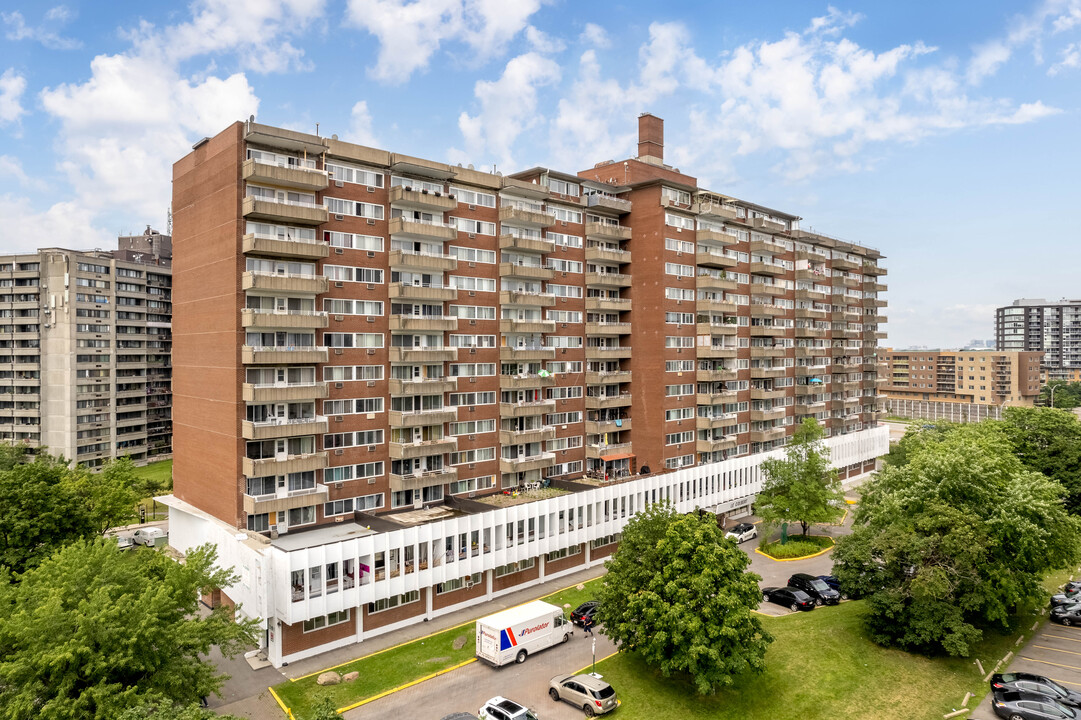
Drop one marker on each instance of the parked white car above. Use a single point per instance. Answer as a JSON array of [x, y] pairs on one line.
[[148, 536], [741, 532]]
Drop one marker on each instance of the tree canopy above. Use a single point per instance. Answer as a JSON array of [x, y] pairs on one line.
[[802, 487], [94, 631], [48, 504], [1067, 394], [678, 594], [954, 540], [1049, 442]]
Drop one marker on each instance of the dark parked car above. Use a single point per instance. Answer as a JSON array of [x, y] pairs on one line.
[[1027, 682], [1016, 705], [834, 584], [1072, 586], [1066, 596], [792, 598], [585, 610], [822, 593], [1068, 614]]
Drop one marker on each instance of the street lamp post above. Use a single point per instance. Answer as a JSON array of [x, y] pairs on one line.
[[1053, 388]]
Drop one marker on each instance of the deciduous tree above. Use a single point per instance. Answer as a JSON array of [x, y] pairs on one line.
[[94, 631], [802, 487], [679, 594], [1048, 441]]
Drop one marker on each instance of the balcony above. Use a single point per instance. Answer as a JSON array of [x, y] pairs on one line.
[[769, 331], [603, 352], [532, 352], [258, 209], [421, 262], [424, 386], [607, 402], [712, 422], [297, 178], [715, 375], [875, 287], [599, 427], [716, 306], [604, 304], [415, 291], [309, 320], [763, 268], [521, 437], [422, 323], [512, 325], [603, 254], [270, 393], [408, 451], [401, 196], [282, 428], [284, 282], [607, 378], [608, 202], [716, 351], [777, 351], [770, 372], [607, 280], [423, 354], [706, 258], [433, 230], [606, 231], [845, 281], [527, 462], [810, 332], [810, 408], [598, 451], [872, 269], [608, 328], [253, 244], [843, 264], [526, 409], [812, 352], [508, 241], [716, 397], [529, 218], [768, 394], [768, 225], [282, 355], [716, 237], [529, 299], [716, 328], [421, 418], [811, 313], [714, 444], [283, 465], [421, 478], [768, 415], [529, 272], [767, 435], [292, 499], [714, 283], [758, 288]]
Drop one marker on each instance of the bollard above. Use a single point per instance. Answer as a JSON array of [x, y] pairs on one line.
[[1020, 640], [968, 696], [979, 665], [955, 713]]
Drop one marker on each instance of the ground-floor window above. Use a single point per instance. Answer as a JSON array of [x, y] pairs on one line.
[[334, 618], [605, 540], [515, 567], [458, 583], [559, 554], [393, 602]]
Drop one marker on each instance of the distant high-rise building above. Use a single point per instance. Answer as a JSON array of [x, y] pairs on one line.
[[982, 377], [1052, 329], [85, 345]]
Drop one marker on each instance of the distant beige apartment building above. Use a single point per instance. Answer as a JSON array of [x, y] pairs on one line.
[[981, 377]]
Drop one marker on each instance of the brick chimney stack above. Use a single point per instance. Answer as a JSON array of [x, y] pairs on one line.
[[650, 136]]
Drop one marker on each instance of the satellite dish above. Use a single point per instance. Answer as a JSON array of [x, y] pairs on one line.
[[470, 166], [251, 118], [333, 137]]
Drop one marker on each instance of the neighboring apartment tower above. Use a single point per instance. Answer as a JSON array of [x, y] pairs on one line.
[[1052, 329], [85, 344], [980, 377], [370, 344]]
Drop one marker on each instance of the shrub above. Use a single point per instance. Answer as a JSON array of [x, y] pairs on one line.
[[797, 546]]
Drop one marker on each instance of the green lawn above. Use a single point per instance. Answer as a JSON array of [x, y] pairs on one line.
[[160, 472], [396, 666]]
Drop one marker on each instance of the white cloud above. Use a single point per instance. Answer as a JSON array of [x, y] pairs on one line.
[[987, 59], [66, 223], [49, 37], [508, 107], [360, 126], [1025, 30], [833, 22], [594, 36], [12, 87], [410, 32], [1070, 59], [542, 42], [11, 168]]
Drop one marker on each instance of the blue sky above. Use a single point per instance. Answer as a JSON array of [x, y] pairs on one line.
[[943, 134]]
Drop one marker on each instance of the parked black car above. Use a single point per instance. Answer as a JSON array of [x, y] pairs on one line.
[[834, 584], [586, 609], [1066, 596], [822, 593], [1027, 682], [1016, 705], [1072, 586], [1068, 614], [792, 598]]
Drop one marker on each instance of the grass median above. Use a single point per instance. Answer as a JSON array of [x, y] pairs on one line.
[[396, 666]]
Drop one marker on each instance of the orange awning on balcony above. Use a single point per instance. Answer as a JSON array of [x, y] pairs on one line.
[[619, 456]]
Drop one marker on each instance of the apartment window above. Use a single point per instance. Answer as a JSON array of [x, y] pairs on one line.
[[477, 227], [563, 187], [565, 214], [681, 246], [678, 221], [350, 240], [515, 567], [355, 175], [679, 438], [486, 482], [393, 602], [679, 341], [323, 621], [369, 405], [351, 207], [564, 240], [678, 270], [467, 254], [473, 197]]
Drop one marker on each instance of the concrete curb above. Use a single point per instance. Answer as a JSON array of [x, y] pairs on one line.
[[801, 557], [282, 705], [410, 684]]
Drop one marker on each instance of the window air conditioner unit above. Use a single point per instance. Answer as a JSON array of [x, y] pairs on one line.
[[371, 189], [337, 351], [338, 284], [472, 235], [371, 448], [472, 207], [339, 251], [339, 183], [371, 221], [339, 385], [339, 217], [371, 254], [472, 322], [338, 418], [472, 379], [371, 481], [339, 451]]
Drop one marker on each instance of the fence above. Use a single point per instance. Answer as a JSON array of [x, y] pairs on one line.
[[953, 412]]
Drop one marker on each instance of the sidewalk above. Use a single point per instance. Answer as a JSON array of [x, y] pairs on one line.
[[245, 693]]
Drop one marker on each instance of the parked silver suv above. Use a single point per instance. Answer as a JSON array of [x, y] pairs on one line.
[[590, 693]]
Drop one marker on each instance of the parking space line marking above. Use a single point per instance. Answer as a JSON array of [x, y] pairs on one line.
[[1047, 662], [1063, 637], [601, 660], [1044, 647], [1066, 682]]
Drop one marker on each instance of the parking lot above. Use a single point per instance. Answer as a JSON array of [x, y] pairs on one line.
[[1054, 652]]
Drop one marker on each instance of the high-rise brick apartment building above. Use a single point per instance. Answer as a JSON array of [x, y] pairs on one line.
[[1053, 329], [372, 348], [85, 342]]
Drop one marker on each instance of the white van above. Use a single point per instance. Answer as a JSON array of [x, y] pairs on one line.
[[515, 633], [148, 536]]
